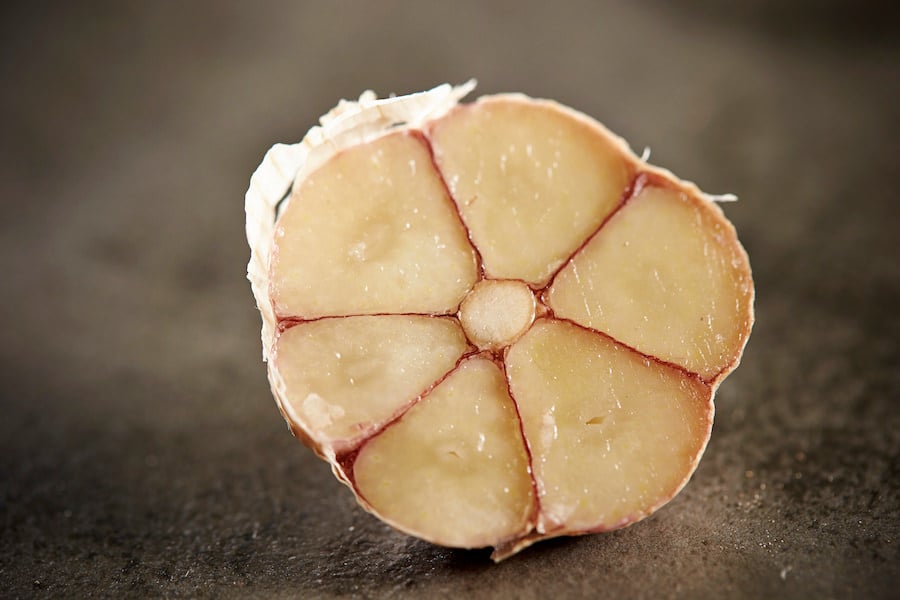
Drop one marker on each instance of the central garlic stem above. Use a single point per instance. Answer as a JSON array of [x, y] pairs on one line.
[[496, 312]]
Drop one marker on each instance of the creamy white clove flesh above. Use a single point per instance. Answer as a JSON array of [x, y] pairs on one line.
[[494, 321]]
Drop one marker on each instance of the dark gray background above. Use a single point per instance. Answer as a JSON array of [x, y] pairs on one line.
[[140, 450]]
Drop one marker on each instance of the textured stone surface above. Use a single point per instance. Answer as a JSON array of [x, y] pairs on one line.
[[140, 450]]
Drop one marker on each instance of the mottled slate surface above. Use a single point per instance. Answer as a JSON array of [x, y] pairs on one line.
[[140, 450]]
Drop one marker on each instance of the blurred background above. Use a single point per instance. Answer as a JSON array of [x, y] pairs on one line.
[[141, 452]]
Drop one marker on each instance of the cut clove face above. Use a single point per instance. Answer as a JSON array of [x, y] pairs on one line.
[[494, 321]]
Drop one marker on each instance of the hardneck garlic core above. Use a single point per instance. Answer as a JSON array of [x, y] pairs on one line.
[[494, 321], [496, 312]]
